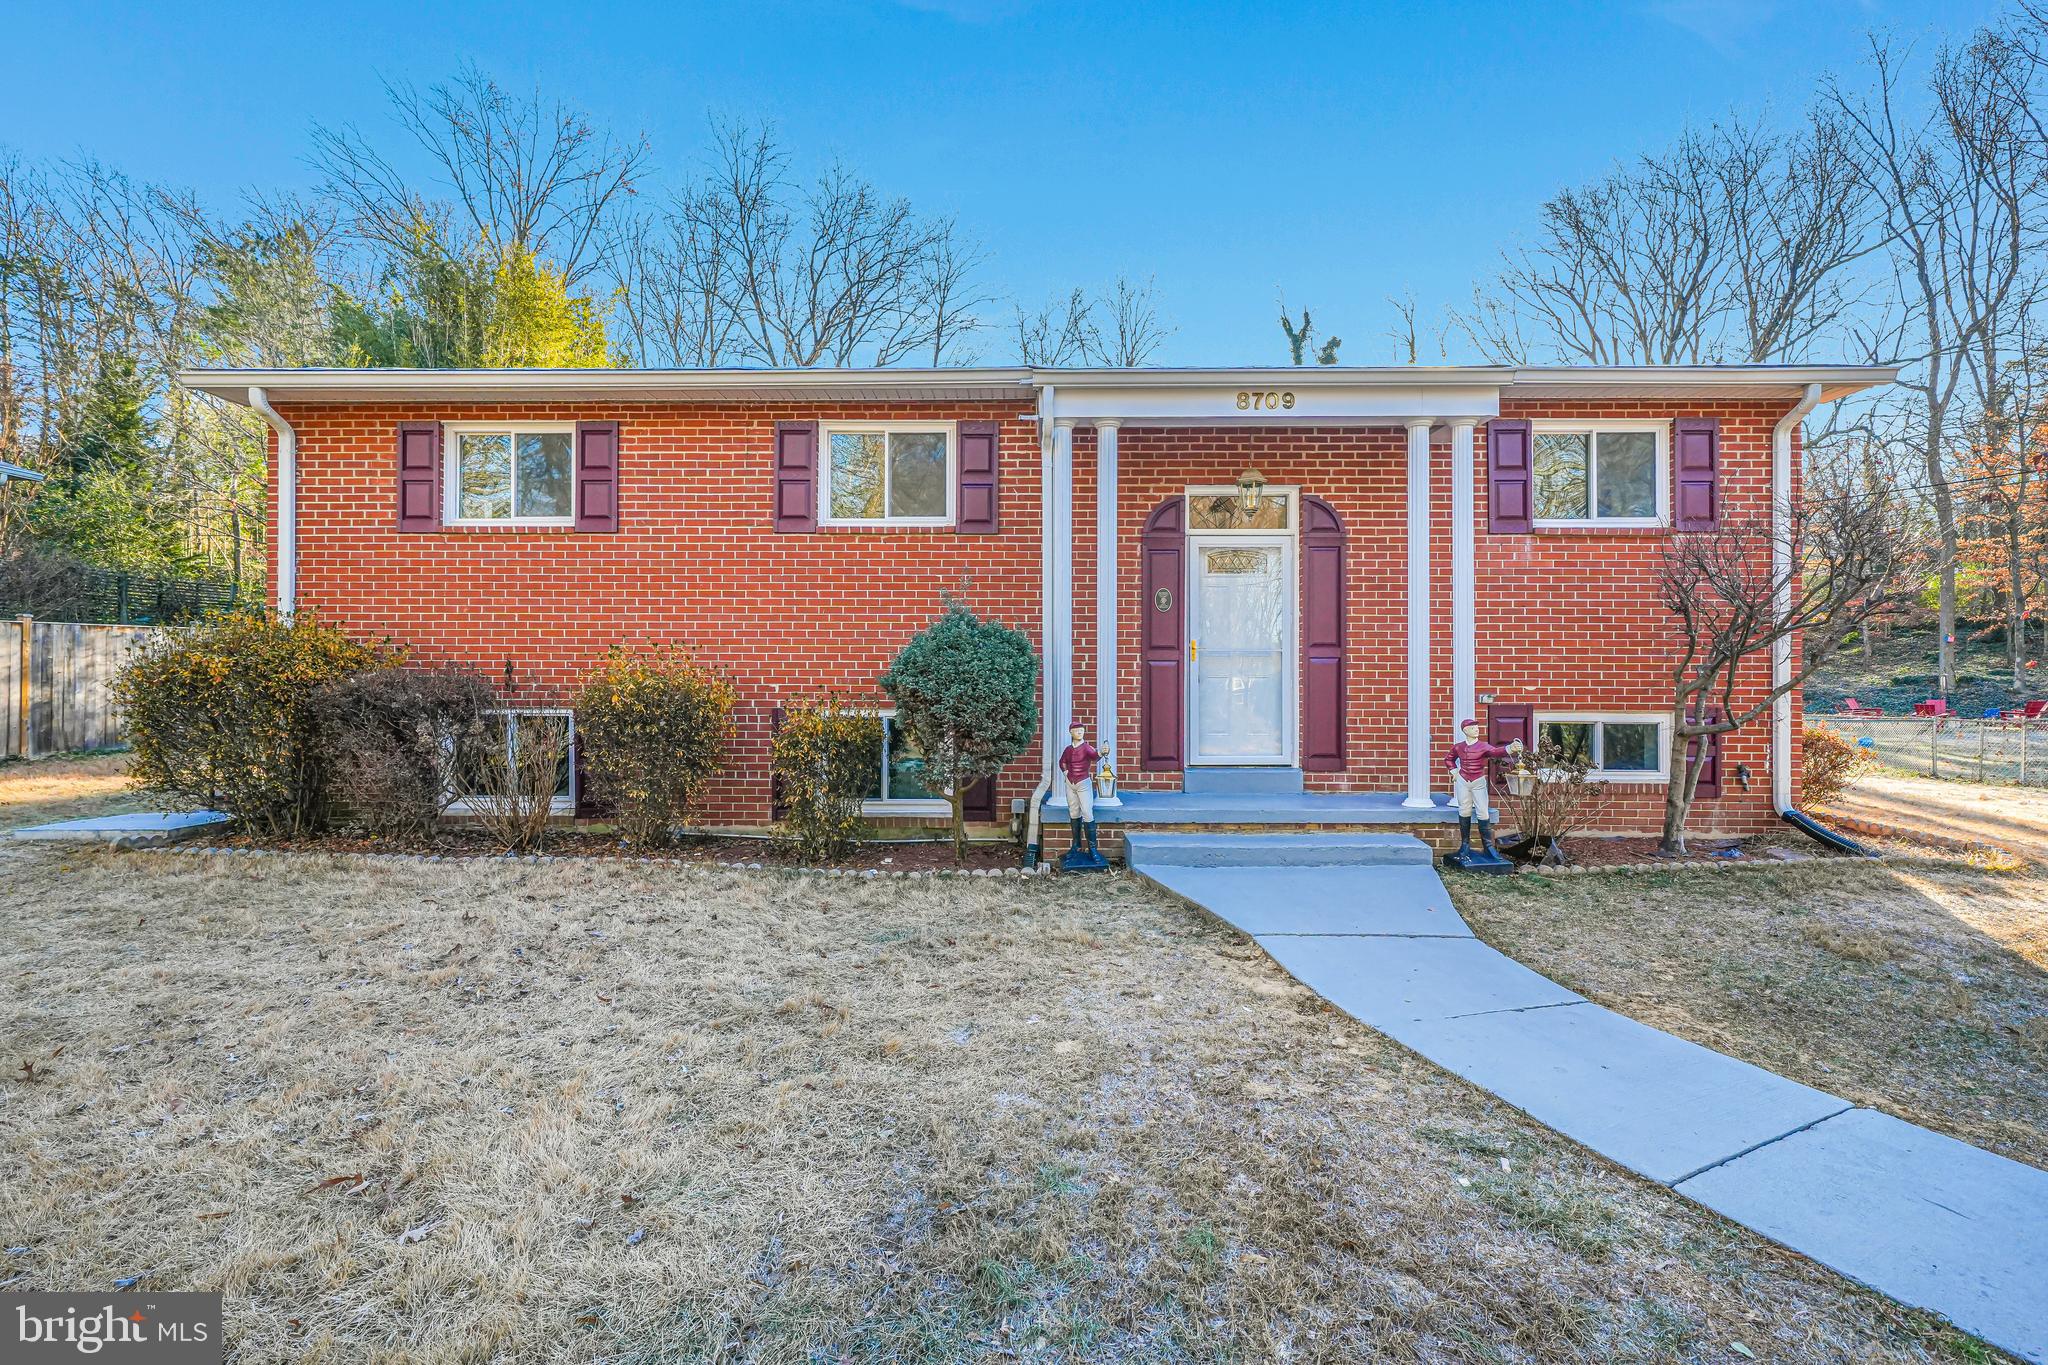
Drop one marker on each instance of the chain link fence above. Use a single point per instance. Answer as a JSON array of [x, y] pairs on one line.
[[1955, 747]]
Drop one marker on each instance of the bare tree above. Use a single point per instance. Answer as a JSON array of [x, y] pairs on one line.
[[1133, 331], [745, 266], [1063, 332], [1834, 561], [519, 173], [1734, 244], [1956, 190]]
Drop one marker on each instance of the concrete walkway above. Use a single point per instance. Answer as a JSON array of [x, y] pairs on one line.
[[1365, 921]]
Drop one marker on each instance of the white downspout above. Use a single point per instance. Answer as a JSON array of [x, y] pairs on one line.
[[287, 503], [1782, 755], [1046, 720]]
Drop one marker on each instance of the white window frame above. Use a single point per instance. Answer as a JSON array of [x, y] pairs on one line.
[[1559, 426], [564, 803], [451, 470], [950, 430], [1662, 772], [1290, 491], [887, 805]]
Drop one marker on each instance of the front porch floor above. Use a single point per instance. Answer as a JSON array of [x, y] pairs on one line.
[[1295, 809]]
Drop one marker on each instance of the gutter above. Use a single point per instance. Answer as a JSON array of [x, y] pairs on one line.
[[1046, 396], [1782, 757], [287, 503]]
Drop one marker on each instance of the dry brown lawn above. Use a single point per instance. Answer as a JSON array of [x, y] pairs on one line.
[[484, 1111], [2013, 818], [1919, 989], [50, 789]]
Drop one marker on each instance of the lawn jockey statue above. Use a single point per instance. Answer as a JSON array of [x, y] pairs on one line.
[[1469, 760], [1077, 768]]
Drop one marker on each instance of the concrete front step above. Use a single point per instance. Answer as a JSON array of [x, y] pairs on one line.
[[1144, 848], [1200, 781]]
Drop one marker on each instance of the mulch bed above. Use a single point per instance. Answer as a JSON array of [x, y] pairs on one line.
[[1597, 850], [925, 855]]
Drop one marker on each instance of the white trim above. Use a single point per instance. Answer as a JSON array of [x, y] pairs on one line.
[[1417, 495], [1594, 430], [1290, 687], [287, 502], [451, 470], [1464, 592], [1106, 591], [1059, 653], [1626, 777], [1782, 756], [715, 385], [950, 430], [561, 805]]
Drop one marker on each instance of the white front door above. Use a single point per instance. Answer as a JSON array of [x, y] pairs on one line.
[[1241, 639]]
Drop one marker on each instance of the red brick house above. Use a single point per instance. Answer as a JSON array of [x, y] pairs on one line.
[[1419, 545]]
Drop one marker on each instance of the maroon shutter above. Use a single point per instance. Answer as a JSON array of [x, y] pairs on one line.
[[419, 476], [796, 476], [1510, 477], [597, 476], [1506, 724], [980, 801], [1709, 786], [778, 807], [1322, 637], [1696, 473], [1162, 699], [974, 502]]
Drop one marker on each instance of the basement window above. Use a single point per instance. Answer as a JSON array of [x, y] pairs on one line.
[[497, 749], [1623, 747], [899, 783]]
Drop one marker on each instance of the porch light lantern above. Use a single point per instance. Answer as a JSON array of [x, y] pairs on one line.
[[1522, 779], [1250, 486]]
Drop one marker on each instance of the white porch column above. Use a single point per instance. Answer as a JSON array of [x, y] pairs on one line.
[[1418, 615], [1464, 594], [1106, 592], [1059, 654]]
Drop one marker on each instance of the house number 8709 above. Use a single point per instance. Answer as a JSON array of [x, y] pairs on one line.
[[1252, 400]]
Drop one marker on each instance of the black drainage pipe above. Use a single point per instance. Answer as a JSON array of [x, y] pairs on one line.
[[1815, 830]]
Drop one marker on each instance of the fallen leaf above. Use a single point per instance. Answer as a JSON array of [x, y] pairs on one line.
[[355, 1178], [629, 1200], [209, 1217], [418, 1234], [639, 1236], [1742, 1350], [587, 1320]]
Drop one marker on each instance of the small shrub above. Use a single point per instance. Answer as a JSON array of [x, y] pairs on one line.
[[826, 760], [1562, 802], [654, 726], [511, 770], [394, 736], [966, 691], [1831, 763], [220, 715]]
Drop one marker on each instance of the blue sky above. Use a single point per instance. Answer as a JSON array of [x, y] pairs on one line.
[[1340, 155]]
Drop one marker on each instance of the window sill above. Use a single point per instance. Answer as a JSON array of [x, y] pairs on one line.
[[501, 527], [885, 527], [1638, 528], [922, 806]]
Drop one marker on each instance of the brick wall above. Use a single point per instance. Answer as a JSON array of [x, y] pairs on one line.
[[695, 561], [1567, 620]]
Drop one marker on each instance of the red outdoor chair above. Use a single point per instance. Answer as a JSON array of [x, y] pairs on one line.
[[2030, 711], [1933, 706]]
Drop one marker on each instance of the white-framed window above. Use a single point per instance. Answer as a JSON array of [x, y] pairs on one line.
[[1626, 746], [505, 728], [1601, 473], [509, 473], [887, 473], [899, 783], [1220, 507]]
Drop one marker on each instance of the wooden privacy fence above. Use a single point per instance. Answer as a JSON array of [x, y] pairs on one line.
[[57, 684]]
